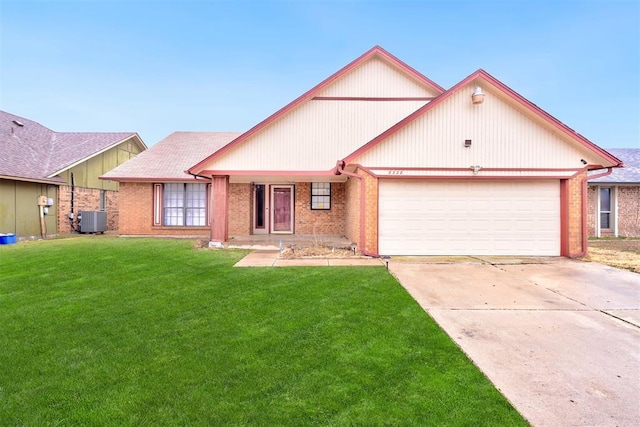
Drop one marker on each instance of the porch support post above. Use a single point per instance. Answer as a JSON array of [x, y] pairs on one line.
[[220, 209], [564, 218]]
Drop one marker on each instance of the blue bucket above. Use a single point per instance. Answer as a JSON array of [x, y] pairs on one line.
[[7, 239]]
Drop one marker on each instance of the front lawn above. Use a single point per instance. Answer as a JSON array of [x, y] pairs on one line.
[[108, 331]]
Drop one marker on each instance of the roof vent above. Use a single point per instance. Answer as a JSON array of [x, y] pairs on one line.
[[18, 123]]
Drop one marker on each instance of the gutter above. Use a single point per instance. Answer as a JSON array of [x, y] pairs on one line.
[[195, 175], [583, 196], [340, 171]]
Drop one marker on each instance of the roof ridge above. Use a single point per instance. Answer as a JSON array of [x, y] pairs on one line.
[[498, 85], [306, 96]]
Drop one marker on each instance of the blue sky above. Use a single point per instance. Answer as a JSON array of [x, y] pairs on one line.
[[155, 67]]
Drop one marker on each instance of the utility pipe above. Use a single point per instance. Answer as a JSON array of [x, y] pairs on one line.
[[73, 191], [43, 225]]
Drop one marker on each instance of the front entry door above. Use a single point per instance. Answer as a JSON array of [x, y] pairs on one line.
[[281, 209]]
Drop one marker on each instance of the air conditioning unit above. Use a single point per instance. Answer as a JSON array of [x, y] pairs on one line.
[[92, 221]]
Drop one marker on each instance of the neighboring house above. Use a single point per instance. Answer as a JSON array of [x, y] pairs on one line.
[[383, 155], [63, 166], [614, 200]]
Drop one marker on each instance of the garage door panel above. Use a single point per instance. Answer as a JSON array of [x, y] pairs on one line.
[[469, 218]]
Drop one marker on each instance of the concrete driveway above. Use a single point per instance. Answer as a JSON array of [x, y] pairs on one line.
[[559, 338]]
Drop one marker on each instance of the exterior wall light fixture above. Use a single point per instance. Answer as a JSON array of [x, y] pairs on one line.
[[467, 143], [478, 96]]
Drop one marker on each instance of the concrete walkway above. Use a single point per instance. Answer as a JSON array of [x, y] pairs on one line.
[[270, 258], [559, 338]]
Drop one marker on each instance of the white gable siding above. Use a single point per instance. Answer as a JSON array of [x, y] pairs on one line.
[[377, 78], [315, 136], [502, 137]]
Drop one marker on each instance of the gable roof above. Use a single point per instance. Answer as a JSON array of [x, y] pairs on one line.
[[630, 174], [376, 51], [30, 151], [509, 93], [167, 159]]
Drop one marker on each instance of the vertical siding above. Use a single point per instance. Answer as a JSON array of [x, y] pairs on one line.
[[95, 168], [87, 173], [19, 212], [7, 206], [377, 78], [502, 136], [316, 135], [110, 161]]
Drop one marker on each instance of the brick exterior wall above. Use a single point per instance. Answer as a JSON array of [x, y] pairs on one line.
[[574, 215], [240, 209], [628, 211], [318, 222], [85, 199], [306, 221], [591, 211], [371, 213], [136, 214], [352, 210], [353, 221]]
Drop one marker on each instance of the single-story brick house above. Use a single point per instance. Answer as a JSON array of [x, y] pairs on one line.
[[614, 200], [64, 167], [383, 155]]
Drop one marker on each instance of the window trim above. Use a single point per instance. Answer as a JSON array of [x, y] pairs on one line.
[[314, 197], [609, 211], [158, 205]]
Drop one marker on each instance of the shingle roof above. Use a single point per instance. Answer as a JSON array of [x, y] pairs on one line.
[[31, 151], [169, 158], [630, 174]]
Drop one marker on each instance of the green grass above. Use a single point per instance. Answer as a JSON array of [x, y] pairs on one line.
[[107, 331]]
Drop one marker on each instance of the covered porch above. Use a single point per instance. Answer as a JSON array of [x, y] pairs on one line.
[[274, 241]]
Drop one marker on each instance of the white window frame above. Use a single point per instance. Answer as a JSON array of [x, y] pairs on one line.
[[613, 210], [159, 208], [320, 196]]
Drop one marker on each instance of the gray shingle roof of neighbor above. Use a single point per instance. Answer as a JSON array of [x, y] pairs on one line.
[[169, 158], [31, 151], [630, 174]]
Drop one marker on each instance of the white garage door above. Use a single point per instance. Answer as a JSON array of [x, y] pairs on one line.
[[462, 217]]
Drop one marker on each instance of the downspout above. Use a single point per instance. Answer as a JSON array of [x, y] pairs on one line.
[[340, 171], [195, 175], [583, 193], [73, 190]]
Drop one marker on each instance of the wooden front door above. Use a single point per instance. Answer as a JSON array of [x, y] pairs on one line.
[[282, 209]]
